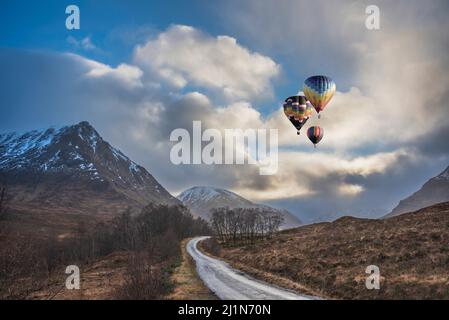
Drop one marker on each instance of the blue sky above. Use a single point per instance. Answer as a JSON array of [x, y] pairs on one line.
[[115, 27], [34, 24], [135, 64]]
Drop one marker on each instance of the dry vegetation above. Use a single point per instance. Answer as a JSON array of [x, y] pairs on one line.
[[244, 225], [99, 280], [188, 286], [329, 259], [127, 257]]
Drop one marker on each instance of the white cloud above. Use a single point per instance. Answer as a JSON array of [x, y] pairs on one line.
[[350, 189], [183, 55], [397, 82], [85, 43], [397, 75], [302, 174], [128, 75]]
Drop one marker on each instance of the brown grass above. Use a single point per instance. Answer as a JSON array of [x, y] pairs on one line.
[[99, 281], [188, 286], [329, 259]]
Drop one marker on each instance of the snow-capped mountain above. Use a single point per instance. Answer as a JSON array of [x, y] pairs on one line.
[[74, 168], [201, 200], [434, 191]]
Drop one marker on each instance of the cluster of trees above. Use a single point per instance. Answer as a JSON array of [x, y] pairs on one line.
[[151, 238], [244, 225], [158, 229]]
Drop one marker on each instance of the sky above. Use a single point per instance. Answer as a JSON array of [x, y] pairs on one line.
[[137, 70]]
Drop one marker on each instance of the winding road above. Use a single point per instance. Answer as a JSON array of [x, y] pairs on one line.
[[228, 283]]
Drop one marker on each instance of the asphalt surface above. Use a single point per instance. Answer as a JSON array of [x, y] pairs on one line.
[[228, 283]]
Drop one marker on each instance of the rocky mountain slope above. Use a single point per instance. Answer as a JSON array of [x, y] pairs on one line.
[[434, 191], [73, 170], [201, 200]]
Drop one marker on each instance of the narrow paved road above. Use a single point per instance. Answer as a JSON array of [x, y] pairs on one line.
[[230, 284]]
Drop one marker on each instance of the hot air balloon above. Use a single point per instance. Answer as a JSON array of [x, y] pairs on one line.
[[297, 111], [309, 109], [319, 90], [315, 134]]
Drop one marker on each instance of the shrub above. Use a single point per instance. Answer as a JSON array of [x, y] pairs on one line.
[[143, 280]]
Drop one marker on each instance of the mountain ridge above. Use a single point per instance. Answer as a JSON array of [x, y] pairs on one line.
[[202, 199], [72, 168], [434, 191]]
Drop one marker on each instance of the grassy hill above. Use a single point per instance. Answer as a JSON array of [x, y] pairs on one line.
[[329, 259]]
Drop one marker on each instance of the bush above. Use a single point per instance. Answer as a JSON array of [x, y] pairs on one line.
[[143, 280], [24, 267], [153, 237]]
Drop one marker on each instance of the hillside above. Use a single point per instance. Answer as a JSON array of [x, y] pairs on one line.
[[69, 167], [434, 191], [59, 177], [201, 200], [411, 250]]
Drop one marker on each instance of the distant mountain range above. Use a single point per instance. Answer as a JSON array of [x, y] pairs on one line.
[[434, 191], [201, 200], [73, 170]]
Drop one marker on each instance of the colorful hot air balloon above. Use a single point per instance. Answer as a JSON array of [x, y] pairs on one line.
[[309, 109], [319, 90], [315, 134], [297, 111]]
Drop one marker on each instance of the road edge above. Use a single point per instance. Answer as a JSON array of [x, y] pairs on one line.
[[268, 277], [188, 284]]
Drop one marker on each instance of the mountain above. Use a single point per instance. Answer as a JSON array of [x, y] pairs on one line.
[[434, 191], [201, 200], [74, 170]]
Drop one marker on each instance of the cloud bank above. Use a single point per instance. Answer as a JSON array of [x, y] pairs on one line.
[[383, 128], [183, 55]]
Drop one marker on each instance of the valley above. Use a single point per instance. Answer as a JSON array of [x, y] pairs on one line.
[[69, 197]]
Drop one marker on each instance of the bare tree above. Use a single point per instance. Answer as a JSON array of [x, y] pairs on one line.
[[152, 239], [218, 223], [3, 201], [244, 224]]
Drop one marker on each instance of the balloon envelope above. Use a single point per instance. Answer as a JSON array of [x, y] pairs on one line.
[[298, 124], [319, 90], [309, 109], [297, 111], [315, 134]]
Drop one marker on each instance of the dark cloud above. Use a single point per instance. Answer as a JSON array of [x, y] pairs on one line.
[[435, 143], [382, 192]]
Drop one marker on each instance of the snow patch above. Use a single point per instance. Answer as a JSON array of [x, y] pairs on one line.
[[205, 194]]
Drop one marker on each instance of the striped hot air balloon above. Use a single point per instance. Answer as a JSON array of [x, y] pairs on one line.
[[315, 134], [319, 90], [297, 111]]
